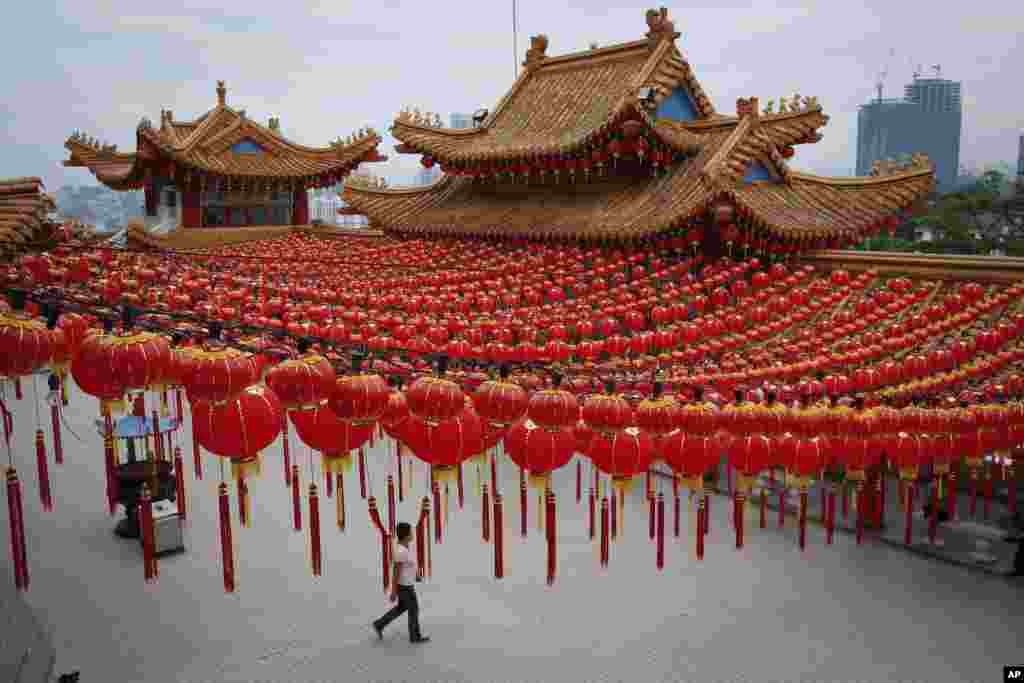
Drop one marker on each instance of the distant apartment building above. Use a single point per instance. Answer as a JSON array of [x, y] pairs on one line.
[[928, 119]]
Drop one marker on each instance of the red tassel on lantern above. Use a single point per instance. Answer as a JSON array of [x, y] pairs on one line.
[[701, 527], [243, 504], [226, 547], [17, 388], [591, 513], [676, 505], [179, 406], [314, 530], [149, 560], [437, 511], [738, 518], [340, 500], [523, 503], [391, 505], [579, 481], [296, 501], [604, 532], [707, 512], [846, 503], [362, 474], [111, 469], [763, 520], [401, 479], [329, 483], [951, 494], [158, 443], [651, 514], [16, 517], [909, 521], [861, 503], [385, 541], [615, 516], [179, 485], [552, 537], [499, 538], [45, 495], [287, 454], [829, 516], [661, 532], [803, 516], [58, 445], [421, 541], [460, 486], [197, 458], [485, 512], [494, 474], [933, 518]]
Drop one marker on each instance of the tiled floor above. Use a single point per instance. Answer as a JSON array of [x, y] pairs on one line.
[[766, 613]]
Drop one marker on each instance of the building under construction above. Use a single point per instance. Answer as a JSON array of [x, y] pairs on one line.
[[927, 119]]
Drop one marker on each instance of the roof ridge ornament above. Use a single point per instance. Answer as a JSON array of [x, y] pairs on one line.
[[888, 167], [537, 52], [659, 26]]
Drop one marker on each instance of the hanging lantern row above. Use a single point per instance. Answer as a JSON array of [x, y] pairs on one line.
[[237, 416]]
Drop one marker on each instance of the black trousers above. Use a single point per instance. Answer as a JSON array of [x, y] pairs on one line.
[[407, 602]]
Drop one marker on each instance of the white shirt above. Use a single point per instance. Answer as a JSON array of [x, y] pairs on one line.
[[406, 561]]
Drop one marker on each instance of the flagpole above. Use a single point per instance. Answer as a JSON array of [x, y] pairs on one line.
[[515, 42]]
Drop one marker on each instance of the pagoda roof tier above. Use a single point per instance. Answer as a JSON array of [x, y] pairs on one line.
[[790, 204], [559, 104], [224, 142]]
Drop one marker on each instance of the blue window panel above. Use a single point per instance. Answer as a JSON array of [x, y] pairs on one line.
[[246, 146], [756, 171], [679, 105]]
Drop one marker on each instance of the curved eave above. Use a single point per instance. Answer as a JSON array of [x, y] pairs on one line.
[[812, 206]]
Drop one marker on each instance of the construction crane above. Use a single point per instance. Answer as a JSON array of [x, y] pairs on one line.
[[884, 73]]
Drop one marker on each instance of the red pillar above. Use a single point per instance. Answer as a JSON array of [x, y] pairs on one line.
[[190, 210], [300, 208]]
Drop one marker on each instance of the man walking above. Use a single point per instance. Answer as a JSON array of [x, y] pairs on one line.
[[403, 588]]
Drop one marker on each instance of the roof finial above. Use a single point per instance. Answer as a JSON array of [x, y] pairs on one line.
[[222, 93], [537, 52], [659, 26]]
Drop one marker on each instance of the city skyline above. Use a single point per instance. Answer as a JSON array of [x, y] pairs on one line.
[[74, 55]]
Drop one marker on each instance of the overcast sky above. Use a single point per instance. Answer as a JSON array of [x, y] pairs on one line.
[[329, 67]]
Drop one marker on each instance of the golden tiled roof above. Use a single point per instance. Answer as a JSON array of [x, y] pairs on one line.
[[206, 144], [629, 208], [559, 103], [23, 211], [795, 205]]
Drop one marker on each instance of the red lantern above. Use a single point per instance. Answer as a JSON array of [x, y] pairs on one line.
[[447, 443], [553, 409], [539, 451], [302, 383], [607, 412], [501, 403], [360, 399], [435, 399], [217, 374]]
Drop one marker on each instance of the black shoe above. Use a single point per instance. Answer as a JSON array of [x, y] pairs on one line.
[[421, 639], [378, 630]]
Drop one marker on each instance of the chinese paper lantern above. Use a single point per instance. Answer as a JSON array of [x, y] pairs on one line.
[[435, 399], [360, 399], [302, 383], [607, 412], [217, 374]]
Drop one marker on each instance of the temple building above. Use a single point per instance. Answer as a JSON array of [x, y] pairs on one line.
[[222, 169], [622, 143]]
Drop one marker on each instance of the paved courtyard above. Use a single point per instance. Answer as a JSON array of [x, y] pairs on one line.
[[766, 613]]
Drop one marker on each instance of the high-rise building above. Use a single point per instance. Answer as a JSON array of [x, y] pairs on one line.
[[927, 119], [1020, 160], [460, 120]]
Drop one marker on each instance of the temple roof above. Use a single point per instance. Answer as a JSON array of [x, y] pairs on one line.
[[559, 103], [223, 141], [791, 204], [23, 211]]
